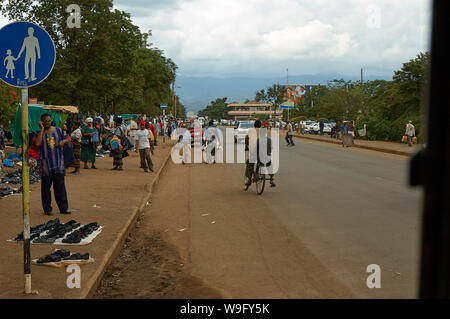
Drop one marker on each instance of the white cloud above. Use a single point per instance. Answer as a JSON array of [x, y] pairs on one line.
[[264, 37]]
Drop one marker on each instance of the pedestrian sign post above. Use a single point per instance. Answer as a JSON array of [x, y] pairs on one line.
[[28, 54]]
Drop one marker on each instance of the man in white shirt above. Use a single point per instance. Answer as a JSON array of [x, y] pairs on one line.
[[142, 139], [132, 128], [186, 145], [410, 132]]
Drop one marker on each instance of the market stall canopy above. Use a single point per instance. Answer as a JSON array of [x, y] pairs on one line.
[[34, 116], [129, 116], [61, 108]]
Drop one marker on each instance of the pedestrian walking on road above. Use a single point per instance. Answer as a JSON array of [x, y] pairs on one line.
[[321, 126], [143, 138], [186, 140], [118, 153], [289, 135], [410, 133], [87, 146], [50, 140], [151, 127], [347, 138], [76, 141]]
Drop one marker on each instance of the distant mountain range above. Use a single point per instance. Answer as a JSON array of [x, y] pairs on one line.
[[197, 92]]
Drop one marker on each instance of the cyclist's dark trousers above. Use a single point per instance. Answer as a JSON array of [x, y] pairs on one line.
[[289, 139], [250, 168]]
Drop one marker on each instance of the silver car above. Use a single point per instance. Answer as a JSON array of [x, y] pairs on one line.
[[242, 131]]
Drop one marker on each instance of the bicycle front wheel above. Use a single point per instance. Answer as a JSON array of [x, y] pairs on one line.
[[260, 183]]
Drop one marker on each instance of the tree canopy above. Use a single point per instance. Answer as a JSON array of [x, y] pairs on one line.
[[107, 65]]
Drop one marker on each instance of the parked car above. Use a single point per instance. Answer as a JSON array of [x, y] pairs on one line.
[[242, 131], [308, 126], [327, 128]]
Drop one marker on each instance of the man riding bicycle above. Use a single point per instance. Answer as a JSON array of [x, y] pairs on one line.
[[253, 148]]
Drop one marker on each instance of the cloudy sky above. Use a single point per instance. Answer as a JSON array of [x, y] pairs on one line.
[[261, 38]]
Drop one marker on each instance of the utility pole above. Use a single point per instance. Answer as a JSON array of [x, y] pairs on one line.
[[287, 83]]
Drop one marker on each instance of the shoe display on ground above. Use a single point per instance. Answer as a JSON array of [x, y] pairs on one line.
[[53, 230]]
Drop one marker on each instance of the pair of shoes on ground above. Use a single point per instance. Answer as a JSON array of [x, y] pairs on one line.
[[62, 254], [54, 257]]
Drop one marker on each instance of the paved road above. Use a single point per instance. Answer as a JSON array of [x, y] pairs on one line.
[[334, 212], [350, 208]]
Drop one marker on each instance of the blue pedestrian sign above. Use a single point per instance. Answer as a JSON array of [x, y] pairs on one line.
[[163, 106], [27, 54]]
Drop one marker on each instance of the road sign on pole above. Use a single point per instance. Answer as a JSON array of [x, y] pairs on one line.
[[163, 106], [30, 54], [30, 57]]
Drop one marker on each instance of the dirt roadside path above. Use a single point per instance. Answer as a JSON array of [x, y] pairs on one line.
[[115, 194], [204, 237]]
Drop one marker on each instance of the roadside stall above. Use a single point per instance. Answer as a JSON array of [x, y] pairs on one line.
[[58, 113]]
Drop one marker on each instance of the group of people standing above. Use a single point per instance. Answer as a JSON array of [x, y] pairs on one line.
[[52, 145]]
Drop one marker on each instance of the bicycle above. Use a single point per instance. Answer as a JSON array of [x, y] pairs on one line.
[[257, 178]]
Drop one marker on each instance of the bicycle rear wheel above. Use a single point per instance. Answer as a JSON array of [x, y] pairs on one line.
[[260, 182]]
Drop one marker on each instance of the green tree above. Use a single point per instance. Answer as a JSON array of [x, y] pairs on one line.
[[107, 65], [216, 110]]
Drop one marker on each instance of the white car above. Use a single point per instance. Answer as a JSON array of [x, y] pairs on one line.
[[307, 126], [242, 131], [327, 128]]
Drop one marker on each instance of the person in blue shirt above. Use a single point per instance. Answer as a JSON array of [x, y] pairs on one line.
[[50, 141], [321, 126]]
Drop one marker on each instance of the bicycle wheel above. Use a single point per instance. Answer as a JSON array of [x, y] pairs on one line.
[[260, 182]]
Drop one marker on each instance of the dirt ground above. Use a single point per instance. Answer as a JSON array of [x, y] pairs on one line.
[[153, 263], [102, 195]]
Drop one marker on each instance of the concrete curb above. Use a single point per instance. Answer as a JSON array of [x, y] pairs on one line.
[[372, 148], [91, 286]]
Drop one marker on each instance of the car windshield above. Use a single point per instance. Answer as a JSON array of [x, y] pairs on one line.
[[246, 125]]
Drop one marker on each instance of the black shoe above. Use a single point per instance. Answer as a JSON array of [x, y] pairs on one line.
[[44, 240], [151, 169], [49, 259], [48, 213], [62, 253], [66, 212]]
